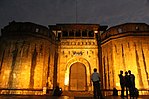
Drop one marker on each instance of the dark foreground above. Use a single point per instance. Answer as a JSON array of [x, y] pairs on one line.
[[62, 97]]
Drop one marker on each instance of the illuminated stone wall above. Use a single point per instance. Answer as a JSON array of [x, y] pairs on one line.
[[76, 50], [77, 44], [26, 57], [125, 47], [31, 59]]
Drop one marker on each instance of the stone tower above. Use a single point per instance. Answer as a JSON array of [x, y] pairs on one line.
[[27, 54], [125, 47]]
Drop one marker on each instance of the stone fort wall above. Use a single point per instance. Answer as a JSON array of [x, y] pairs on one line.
[[27, 56], [125, 47], [33, 57]]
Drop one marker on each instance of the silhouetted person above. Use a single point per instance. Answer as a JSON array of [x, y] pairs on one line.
[[136, 93], [131, 83], [127, 85], [115, 92], [95, 77], [122, 83], [57, 91]]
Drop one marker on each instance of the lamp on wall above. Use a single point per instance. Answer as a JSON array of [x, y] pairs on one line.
[[95, 31]]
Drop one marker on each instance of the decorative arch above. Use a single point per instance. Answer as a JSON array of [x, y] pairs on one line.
[[72, 61]]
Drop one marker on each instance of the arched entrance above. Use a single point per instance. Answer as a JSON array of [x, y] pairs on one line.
[[78, 77]]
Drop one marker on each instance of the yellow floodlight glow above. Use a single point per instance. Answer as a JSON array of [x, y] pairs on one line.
[[117, 84], [66, 79], [95, 31]]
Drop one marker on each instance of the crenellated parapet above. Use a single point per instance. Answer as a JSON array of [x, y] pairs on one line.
[[78, 31], [125, 30], [25, 28]]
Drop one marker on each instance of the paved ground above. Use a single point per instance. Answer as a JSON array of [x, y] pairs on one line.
[[62, 97]]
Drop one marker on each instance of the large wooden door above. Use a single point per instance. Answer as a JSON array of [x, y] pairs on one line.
[[77, 77]]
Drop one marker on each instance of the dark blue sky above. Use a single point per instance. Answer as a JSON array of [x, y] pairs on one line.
[[45, 12]]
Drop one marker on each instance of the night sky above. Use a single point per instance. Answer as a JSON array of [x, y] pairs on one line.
[[46, 12]]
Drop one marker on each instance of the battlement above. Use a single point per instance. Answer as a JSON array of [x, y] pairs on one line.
[[126, 29], [76, 30], [24, 28]]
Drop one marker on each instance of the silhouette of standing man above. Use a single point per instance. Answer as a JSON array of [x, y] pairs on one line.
[[95, 77], [122, 83], [127, 85], [132, 83]]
